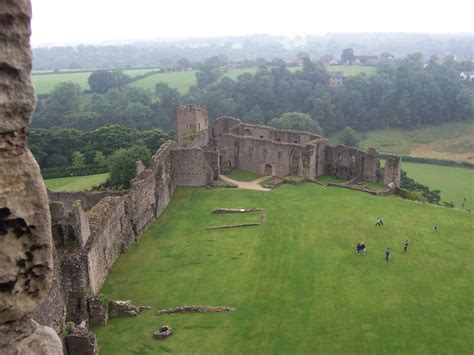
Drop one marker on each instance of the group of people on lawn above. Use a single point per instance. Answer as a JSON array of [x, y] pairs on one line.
[[361, 246]]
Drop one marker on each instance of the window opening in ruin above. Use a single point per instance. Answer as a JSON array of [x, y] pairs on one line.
[[296, 141], [261, 137], [199, 126], [339, 157], [278, 139]]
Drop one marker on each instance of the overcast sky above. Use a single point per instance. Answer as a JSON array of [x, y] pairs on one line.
[[94, 21]]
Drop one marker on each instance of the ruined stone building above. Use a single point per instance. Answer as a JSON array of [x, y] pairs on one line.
[[269, 151]]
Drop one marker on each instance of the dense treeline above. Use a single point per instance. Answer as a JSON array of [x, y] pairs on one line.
[[167, 54], [403, 93], [70, 147]]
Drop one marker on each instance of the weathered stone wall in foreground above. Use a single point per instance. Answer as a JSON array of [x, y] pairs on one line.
[[26, 263]]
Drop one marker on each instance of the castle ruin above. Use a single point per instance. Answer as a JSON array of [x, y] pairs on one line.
[[273, 152], [54, 257]]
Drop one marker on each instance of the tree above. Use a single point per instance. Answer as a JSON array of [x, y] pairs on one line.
[[100, 160], [78, 160], [349, 137], [122, 164], [182, 63], [296, 121], [347, 56], [65, 97], [100, 81]]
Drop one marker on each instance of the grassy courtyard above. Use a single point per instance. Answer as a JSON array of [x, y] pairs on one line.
[[243, 175], [295, 281]]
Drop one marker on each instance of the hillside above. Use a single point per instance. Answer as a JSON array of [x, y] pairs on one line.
[[450, 141], [295, 281]]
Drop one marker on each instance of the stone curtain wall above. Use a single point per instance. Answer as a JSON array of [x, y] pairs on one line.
[[92, 232], [26, 263]]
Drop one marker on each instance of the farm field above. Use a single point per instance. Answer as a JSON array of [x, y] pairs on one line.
[[455, 183], [75, 183], [295, 281], [44, 83], [181, 81], [450, 141], [350, 70]]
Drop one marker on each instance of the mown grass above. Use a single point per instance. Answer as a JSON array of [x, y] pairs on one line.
[[243, 175], [296, 282], [75, 183], [451, 141], [45, 83]]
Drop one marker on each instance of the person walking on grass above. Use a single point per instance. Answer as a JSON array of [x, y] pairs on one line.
[[387, 254], [405, 246], [379, 221]]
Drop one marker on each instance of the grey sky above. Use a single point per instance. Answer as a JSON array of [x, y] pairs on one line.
[[93, 21]]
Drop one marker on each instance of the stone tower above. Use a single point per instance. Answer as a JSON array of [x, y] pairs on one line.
[[190, 119]]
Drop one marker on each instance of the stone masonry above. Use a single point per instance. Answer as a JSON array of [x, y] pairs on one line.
[[26, 249]]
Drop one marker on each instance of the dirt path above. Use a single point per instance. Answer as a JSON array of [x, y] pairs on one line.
[[250, 185]]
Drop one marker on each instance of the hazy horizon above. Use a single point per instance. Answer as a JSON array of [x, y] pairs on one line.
[[115, 21]]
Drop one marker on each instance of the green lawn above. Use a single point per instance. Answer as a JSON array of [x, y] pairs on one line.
[[75, 183], [44, 83], [243, 175], [296, 283], [455, 183], [451, 141]]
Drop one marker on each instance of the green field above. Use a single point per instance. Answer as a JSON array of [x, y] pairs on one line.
[[75, 183], [181, 80], [350, 70], [451, 141], [296, 282], [455, 183], [44, 83]]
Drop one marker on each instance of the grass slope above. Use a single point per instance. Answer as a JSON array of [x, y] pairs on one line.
[[75, 183], [296, 282], [451, 141], [455, 183]]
